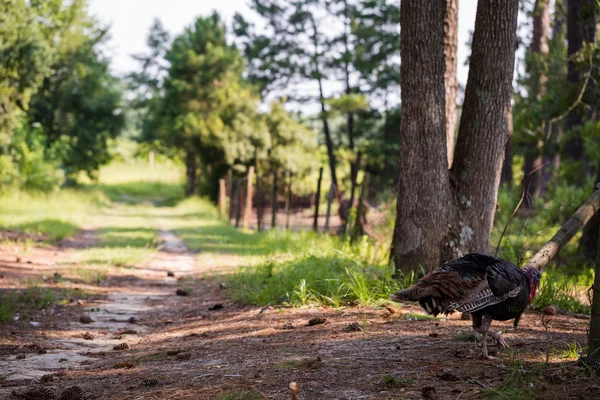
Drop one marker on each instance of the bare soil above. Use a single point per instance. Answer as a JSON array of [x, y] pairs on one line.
[[200, 345]]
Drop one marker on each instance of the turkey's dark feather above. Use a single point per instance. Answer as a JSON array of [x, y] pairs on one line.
[[469, 284]]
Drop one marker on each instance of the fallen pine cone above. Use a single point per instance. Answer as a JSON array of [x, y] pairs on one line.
[[184, 356], [88, 336], [170, 273], [181, 292], [41, 393], [316, 321], [85, 319], [122, 346], [73, 393], [150, 382], [352, 327], [127, 364], [47, 378]]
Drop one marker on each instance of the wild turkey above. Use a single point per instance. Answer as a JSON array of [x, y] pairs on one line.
[[489, 288]]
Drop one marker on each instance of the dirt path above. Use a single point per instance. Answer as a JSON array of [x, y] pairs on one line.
[[201, 345]]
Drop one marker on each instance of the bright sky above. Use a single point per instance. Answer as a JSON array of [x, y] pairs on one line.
[[130, 21]]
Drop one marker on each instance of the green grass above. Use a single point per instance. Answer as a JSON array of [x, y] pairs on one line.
[[28, 301], [561, 291], [319, 270], [53, 216], [241, 394]]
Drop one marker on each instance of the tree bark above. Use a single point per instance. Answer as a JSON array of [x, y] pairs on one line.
[[317, 201], [581, 26], [451, 83], [259, 191], [484, 120], [506, 176], [238, 203], [422, 221], [274, 201], [191, 173], [533, 166], [594, 339], [330, 197], [355, 167]]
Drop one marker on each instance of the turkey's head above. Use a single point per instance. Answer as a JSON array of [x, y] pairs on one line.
[[533, 276]]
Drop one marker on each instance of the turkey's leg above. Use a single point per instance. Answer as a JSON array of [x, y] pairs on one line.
[[498, 339], [482, 325]]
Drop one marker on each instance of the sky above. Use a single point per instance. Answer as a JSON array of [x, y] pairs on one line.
[[130, 21]]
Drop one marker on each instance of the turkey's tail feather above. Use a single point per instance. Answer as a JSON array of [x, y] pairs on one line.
[[431, 304]]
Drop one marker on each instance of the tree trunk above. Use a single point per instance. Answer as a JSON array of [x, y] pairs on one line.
[[359, 224], [506, 176], [326, 131], [317, 201], [454, 210], [579, 29], [451, 84], [191, 173], [594, 339], [422, 221], [274, 201], [249, 194], [484, 120], [533, 166]]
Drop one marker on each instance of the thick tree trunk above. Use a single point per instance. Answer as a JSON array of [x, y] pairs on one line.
[[594, 339], [484, 120], [422, 220], [450, 46], [355, 167], [506, 176], [454, 210], [191, 173], [581, 26], [533, 169]]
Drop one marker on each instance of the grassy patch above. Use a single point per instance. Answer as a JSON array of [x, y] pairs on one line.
[[28, 301], [419, 317], [54, 216], [561, 290], [326, 271]]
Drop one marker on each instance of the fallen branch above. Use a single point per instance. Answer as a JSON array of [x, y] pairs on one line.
[[566, 232]]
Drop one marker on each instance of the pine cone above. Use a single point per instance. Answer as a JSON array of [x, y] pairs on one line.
[[122, 346], [74, 393], [150, 382], [41, 393], [352, 327]]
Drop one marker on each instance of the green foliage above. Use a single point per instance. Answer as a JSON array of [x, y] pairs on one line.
[[25, 55], [562, 291], [325, 271], [28, 301]]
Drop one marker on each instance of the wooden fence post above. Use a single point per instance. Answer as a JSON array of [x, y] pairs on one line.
[[238, 202], [222, 198], [274, 201], [329, 201], [230, 195], [249, 194], [288, 201], [317, 200]]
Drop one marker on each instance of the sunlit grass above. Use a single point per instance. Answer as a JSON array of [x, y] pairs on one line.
[[53, 215]]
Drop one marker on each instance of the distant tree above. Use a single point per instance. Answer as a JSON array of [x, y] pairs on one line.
[[80, 105], [453, 211], [25, 58]]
